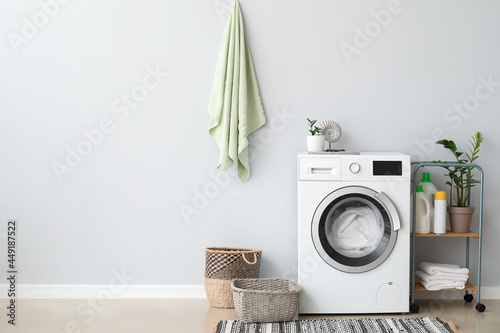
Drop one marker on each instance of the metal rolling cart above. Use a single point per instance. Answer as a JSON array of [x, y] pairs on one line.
[[469, 287]]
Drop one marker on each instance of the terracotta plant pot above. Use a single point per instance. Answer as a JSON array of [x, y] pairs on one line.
[[460, 218], [316, 143]]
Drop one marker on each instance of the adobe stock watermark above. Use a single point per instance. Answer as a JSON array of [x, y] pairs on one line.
[[223, 8], [87, 310], [455, 116], [122, 107], [471, 103], [40, 19], [438, 305], [304, 269], [219, 180], [371, 30]]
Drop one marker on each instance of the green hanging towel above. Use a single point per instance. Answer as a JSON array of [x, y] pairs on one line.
[[235, 105]]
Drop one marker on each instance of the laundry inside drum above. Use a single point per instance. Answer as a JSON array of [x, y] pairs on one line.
[[354, 227]]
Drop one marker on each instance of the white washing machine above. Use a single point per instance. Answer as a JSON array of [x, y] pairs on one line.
[[354, 233]]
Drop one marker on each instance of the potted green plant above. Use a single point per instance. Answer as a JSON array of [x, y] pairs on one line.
[[461, 181], [315, 141]]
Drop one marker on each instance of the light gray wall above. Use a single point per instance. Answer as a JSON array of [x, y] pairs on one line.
[[120, 207]]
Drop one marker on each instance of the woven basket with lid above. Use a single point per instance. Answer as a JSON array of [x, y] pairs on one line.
[[222, 264]]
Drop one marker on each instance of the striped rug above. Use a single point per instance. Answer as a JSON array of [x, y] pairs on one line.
[[365, 325]]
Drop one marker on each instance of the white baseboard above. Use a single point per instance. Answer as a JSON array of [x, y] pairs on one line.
[[105, 291], [173, 291]]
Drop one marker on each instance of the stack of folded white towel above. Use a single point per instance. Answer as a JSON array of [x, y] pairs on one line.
[[442, 276]]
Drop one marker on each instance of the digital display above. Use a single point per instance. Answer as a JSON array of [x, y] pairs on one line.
[[387, 168]]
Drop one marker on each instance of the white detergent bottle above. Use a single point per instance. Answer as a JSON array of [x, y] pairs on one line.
[[422, 212], [429, 190]]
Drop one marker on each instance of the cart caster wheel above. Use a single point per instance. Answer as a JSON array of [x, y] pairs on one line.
[[414, 308], [468, 298], [480, 307]]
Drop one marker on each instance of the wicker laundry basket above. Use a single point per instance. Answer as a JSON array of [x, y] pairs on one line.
[[224, 264], [266, 300]]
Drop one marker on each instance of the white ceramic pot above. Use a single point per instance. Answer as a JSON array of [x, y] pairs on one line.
[[315, 143]]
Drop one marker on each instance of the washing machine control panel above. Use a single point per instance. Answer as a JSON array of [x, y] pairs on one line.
[[363, 167]]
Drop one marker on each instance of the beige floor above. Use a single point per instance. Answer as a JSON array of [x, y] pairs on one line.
[[192, 315]]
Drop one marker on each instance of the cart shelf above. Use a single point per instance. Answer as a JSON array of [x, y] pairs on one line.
[[415, 286], [450, 234], [468, 286]]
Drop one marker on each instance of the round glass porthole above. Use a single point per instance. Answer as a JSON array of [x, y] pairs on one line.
[[352, 229]]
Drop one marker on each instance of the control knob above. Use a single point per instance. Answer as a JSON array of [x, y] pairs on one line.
[[354, 167]]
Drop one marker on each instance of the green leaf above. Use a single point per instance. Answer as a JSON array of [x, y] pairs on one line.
[[457, 180], [448, 144]]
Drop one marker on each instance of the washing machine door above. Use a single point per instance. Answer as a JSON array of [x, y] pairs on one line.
[[354, 228]]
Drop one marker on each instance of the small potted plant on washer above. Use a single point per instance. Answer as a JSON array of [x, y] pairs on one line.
[[315, 141], [461, 181]]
